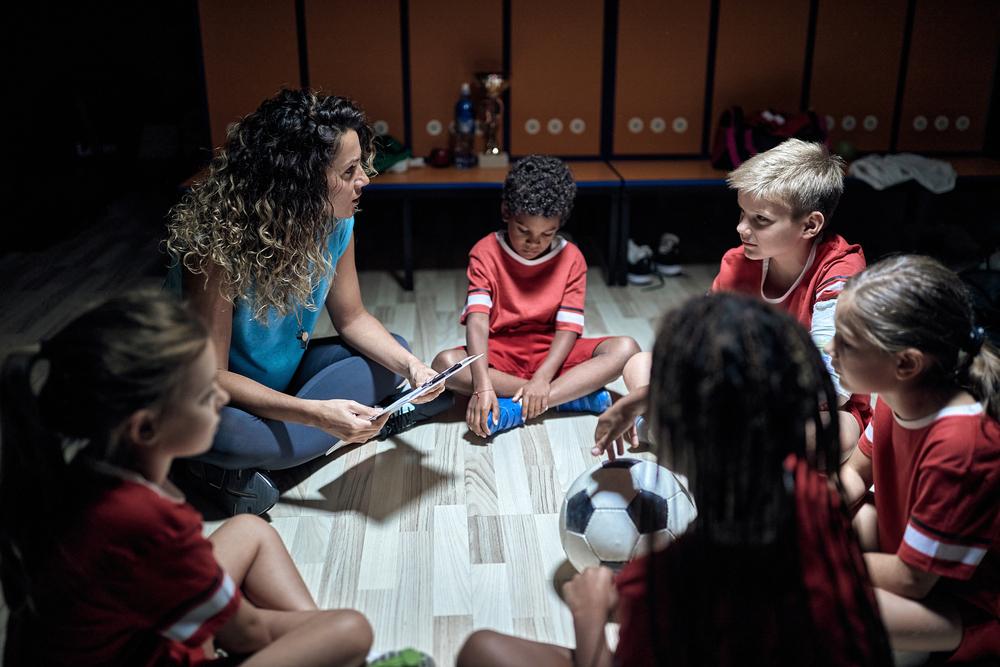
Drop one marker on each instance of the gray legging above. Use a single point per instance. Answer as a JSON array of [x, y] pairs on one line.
[[329, 369]]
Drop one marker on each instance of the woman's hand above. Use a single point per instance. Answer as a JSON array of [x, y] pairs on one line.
[[592, 593], [481, 403], [348, 421], [534, 397], [420, 373]]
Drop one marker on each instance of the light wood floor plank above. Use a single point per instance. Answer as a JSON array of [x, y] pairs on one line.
[[451, 564]]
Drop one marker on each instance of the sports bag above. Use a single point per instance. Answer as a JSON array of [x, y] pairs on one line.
[[740, 136]]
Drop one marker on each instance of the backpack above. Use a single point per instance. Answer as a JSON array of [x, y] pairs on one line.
[[739, 137]]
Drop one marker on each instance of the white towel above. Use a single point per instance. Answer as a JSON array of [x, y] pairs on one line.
[[883, 171]]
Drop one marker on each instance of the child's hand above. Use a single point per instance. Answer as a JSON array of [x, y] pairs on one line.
[[481, 403], [534, 397], [617, 425], [592, 592]]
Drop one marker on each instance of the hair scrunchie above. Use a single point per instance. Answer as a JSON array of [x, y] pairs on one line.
[[976, 337]]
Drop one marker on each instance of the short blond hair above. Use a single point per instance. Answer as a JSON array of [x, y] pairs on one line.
[[802, 175]]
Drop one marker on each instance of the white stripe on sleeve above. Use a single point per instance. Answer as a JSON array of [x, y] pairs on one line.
[[939, 550], [188, 625], [822, 331], [569, 318], [478, 299]]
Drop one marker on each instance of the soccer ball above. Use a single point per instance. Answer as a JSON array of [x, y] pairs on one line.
[[620, 509]]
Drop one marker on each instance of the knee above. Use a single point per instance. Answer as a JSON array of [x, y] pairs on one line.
[[352, 630], [445, 359], [626, 347], [639, 362], [481, 648], [253, 528]]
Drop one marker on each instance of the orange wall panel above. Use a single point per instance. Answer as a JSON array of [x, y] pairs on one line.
[[250, 50], [660, 76], [949, 77], [556, 69], [856, 68], [760, 55], [354, 50], [449, 42]]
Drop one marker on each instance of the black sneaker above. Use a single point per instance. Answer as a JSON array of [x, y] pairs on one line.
[[666, 259], [236, 491], [640, 265], [411, 414]]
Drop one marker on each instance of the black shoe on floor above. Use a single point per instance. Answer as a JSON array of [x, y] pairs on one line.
[[413, 413], [666, 260], [236, 491]]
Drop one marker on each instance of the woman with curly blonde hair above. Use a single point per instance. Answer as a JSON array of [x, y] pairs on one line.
[[258, 246]]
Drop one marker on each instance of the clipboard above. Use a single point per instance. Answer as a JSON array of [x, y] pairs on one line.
[[417, 392]]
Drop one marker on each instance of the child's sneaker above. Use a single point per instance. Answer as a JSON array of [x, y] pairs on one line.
[[596, 402], [640, 265], [666, 259], [407, 657], [510, 416], [410, 414]]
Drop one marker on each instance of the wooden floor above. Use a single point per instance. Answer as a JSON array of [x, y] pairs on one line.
[[431, 534]]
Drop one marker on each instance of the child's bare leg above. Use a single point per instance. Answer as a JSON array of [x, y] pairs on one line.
[[916, 625], [252, 553], [866, 526], [486, 648], [606, 364], [637, 370], [461, 382], [850, 433], [337, 638]]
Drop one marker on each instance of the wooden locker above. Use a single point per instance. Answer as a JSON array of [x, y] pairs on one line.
[[949, 77], [760, 55], [354, 50], [556, 71], [855, 70], [250, 49], [660, 76], [449, 42]]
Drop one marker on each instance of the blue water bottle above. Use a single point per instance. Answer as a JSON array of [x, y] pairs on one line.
[[465, 130]]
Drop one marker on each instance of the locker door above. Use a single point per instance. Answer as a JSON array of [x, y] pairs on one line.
[[250, 50]]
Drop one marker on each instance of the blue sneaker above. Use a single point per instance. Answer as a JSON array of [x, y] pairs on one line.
[[596, 403], [510, 416]]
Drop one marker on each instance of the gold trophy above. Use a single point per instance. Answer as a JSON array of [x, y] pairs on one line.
[[491, 111]]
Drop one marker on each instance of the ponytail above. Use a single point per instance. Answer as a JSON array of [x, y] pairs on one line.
[[983, 378]]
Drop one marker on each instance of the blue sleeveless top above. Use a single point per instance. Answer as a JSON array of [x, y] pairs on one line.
[[269, 352]]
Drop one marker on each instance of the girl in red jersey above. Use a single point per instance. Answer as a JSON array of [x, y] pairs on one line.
[[770, 572], [103, 563], [905, 330]]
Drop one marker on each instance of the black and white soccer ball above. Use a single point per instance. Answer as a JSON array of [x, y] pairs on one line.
[[619, 509]]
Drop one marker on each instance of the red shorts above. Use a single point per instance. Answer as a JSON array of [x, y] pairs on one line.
[[520, 355]]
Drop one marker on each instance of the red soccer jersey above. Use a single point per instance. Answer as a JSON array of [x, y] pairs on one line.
[[830, 264], [812, 298], [525, 296], [937, 485], [138, 585]]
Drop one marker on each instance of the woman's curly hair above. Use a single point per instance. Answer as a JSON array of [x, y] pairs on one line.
[[262, 215], [539, 185]]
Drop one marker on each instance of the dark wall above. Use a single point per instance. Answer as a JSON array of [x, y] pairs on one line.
[[106, 100]]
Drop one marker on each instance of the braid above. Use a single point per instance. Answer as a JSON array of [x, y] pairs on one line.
[[738, 396]]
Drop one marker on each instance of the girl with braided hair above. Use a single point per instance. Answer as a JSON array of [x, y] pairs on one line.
[[260, 245], [906, 331], [770, 571]]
